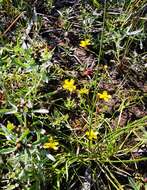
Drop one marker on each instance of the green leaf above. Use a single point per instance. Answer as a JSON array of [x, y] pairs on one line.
[[51, 157], [24, 135], [8, 134], [7, 150], [96, 4], [133, 184]]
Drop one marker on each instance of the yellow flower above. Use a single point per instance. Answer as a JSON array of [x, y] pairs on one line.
[[83, 91], [51, 144], [105, 67], [91, 135], [85, 43], [105, 96], [69, 85], [10, 126]]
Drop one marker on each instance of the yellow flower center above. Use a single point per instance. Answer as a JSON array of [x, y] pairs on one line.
[[69, 85], [83, 91], [10, 126], [85, 43], [91, 135], [105, 96], [52, 144]]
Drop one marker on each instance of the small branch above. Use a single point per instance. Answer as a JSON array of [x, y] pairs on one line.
[[16, 19]]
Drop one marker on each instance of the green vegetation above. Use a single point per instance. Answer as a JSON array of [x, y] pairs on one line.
[[73, 95]]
